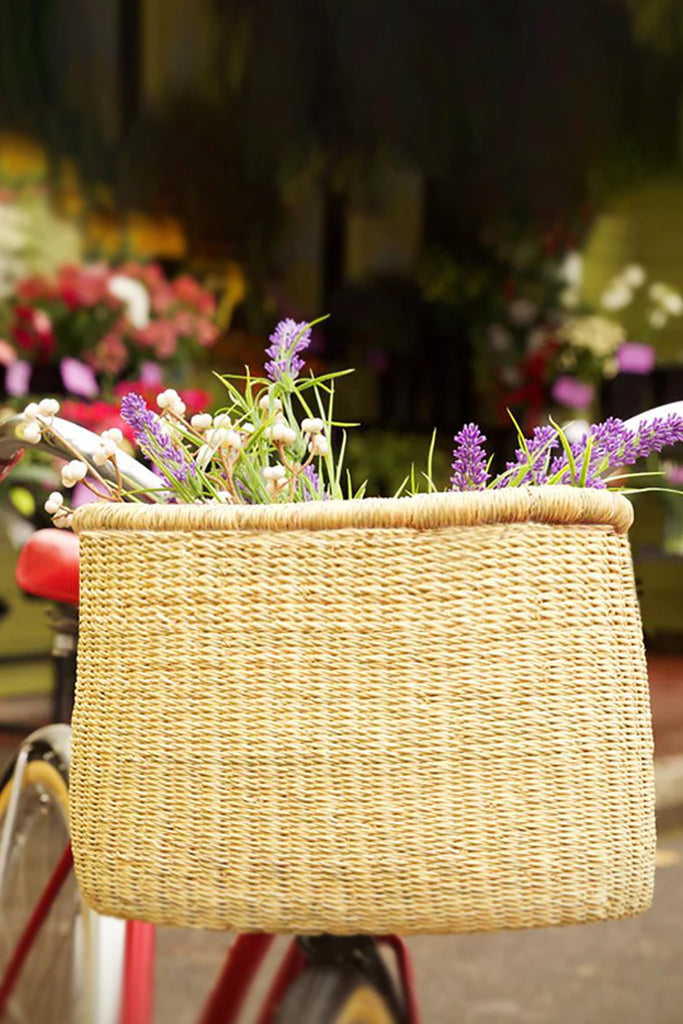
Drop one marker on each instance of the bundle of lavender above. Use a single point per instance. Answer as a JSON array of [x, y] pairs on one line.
[[272, 443]]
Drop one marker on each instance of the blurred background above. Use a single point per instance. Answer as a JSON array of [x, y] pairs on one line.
[[486, 197]]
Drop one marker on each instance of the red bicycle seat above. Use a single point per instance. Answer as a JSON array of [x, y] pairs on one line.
[[48, 566]]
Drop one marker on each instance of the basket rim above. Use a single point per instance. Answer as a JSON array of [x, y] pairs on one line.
[[557, 504]]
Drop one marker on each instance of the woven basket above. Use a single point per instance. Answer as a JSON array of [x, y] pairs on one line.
[[418, 715]]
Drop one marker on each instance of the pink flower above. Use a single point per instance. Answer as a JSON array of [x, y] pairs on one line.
[[7, 353], [575, 394], [633, 357], [110, 356], [190, 293]]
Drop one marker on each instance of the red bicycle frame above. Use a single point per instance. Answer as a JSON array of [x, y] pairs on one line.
[[244, 959]]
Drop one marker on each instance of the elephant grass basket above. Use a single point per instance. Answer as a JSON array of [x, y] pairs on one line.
[[423, 714]]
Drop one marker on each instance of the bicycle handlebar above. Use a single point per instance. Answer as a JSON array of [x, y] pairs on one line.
[[134, 475]]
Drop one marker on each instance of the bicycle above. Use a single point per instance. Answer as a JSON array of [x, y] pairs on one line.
[[100, 970]]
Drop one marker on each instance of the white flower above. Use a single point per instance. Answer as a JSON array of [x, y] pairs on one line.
[[571, 270], [522, 312], [31, 412], [673, 303], [134, 296], [633, 275], [54, 503], [319, 445], [171, 401], [273, 473], [282, 433], [202, 421], [617, 296], [265, 402], [247, 428], [222, 420], [48, 407], [31, 432], [73, 472], [275, 487], [312, 426], [658, 292], [657, 319]]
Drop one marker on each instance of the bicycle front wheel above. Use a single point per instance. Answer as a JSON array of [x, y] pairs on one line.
[[53, 986], [334, 995]]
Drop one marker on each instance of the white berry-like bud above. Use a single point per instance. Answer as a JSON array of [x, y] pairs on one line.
[[222, 420], [48, 407], [282, 433], [63, 519], [202, 421], [319, 445], [31, 412], [233, 439], [104, 451], [312, 426], [113, 434], [54, 503], [273, 473], [31, 432], [73, 472], [266, 402], [217, 437], [171, 401], [247, 428]]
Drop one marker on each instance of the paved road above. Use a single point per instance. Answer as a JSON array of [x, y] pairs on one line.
[[625, 972]]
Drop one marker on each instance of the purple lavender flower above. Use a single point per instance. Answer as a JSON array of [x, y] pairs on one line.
[[540, 447], [154, 440], [469, 460], [310, 493], [613, 445], [287, 340]]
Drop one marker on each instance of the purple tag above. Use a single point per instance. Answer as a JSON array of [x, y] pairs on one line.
[[17, 378], [636, 358], [78, 378]]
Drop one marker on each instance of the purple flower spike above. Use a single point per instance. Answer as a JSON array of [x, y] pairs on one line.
[[540, 447], [287, 340], [154, 440], [613, 445], [469, 460]]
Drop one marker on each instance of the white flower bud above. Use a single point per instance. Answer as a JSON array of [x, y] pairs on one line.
[[54, 503], [282, 433], [31, 412], [73, 472], [312, 426], [202, 421], [673, 304], [63, 520], [233, 439], [104, 451], [633, 275], [222, 420], [247, 428], [273, 473], [171, 401], [217, 437], [31, 432], [48, 407], [319, 445], [657, 319], [113, 434], [266, 402]]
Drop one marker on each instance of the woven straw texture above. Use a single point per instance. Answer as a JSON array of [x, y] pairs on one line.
[[416, 715]]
